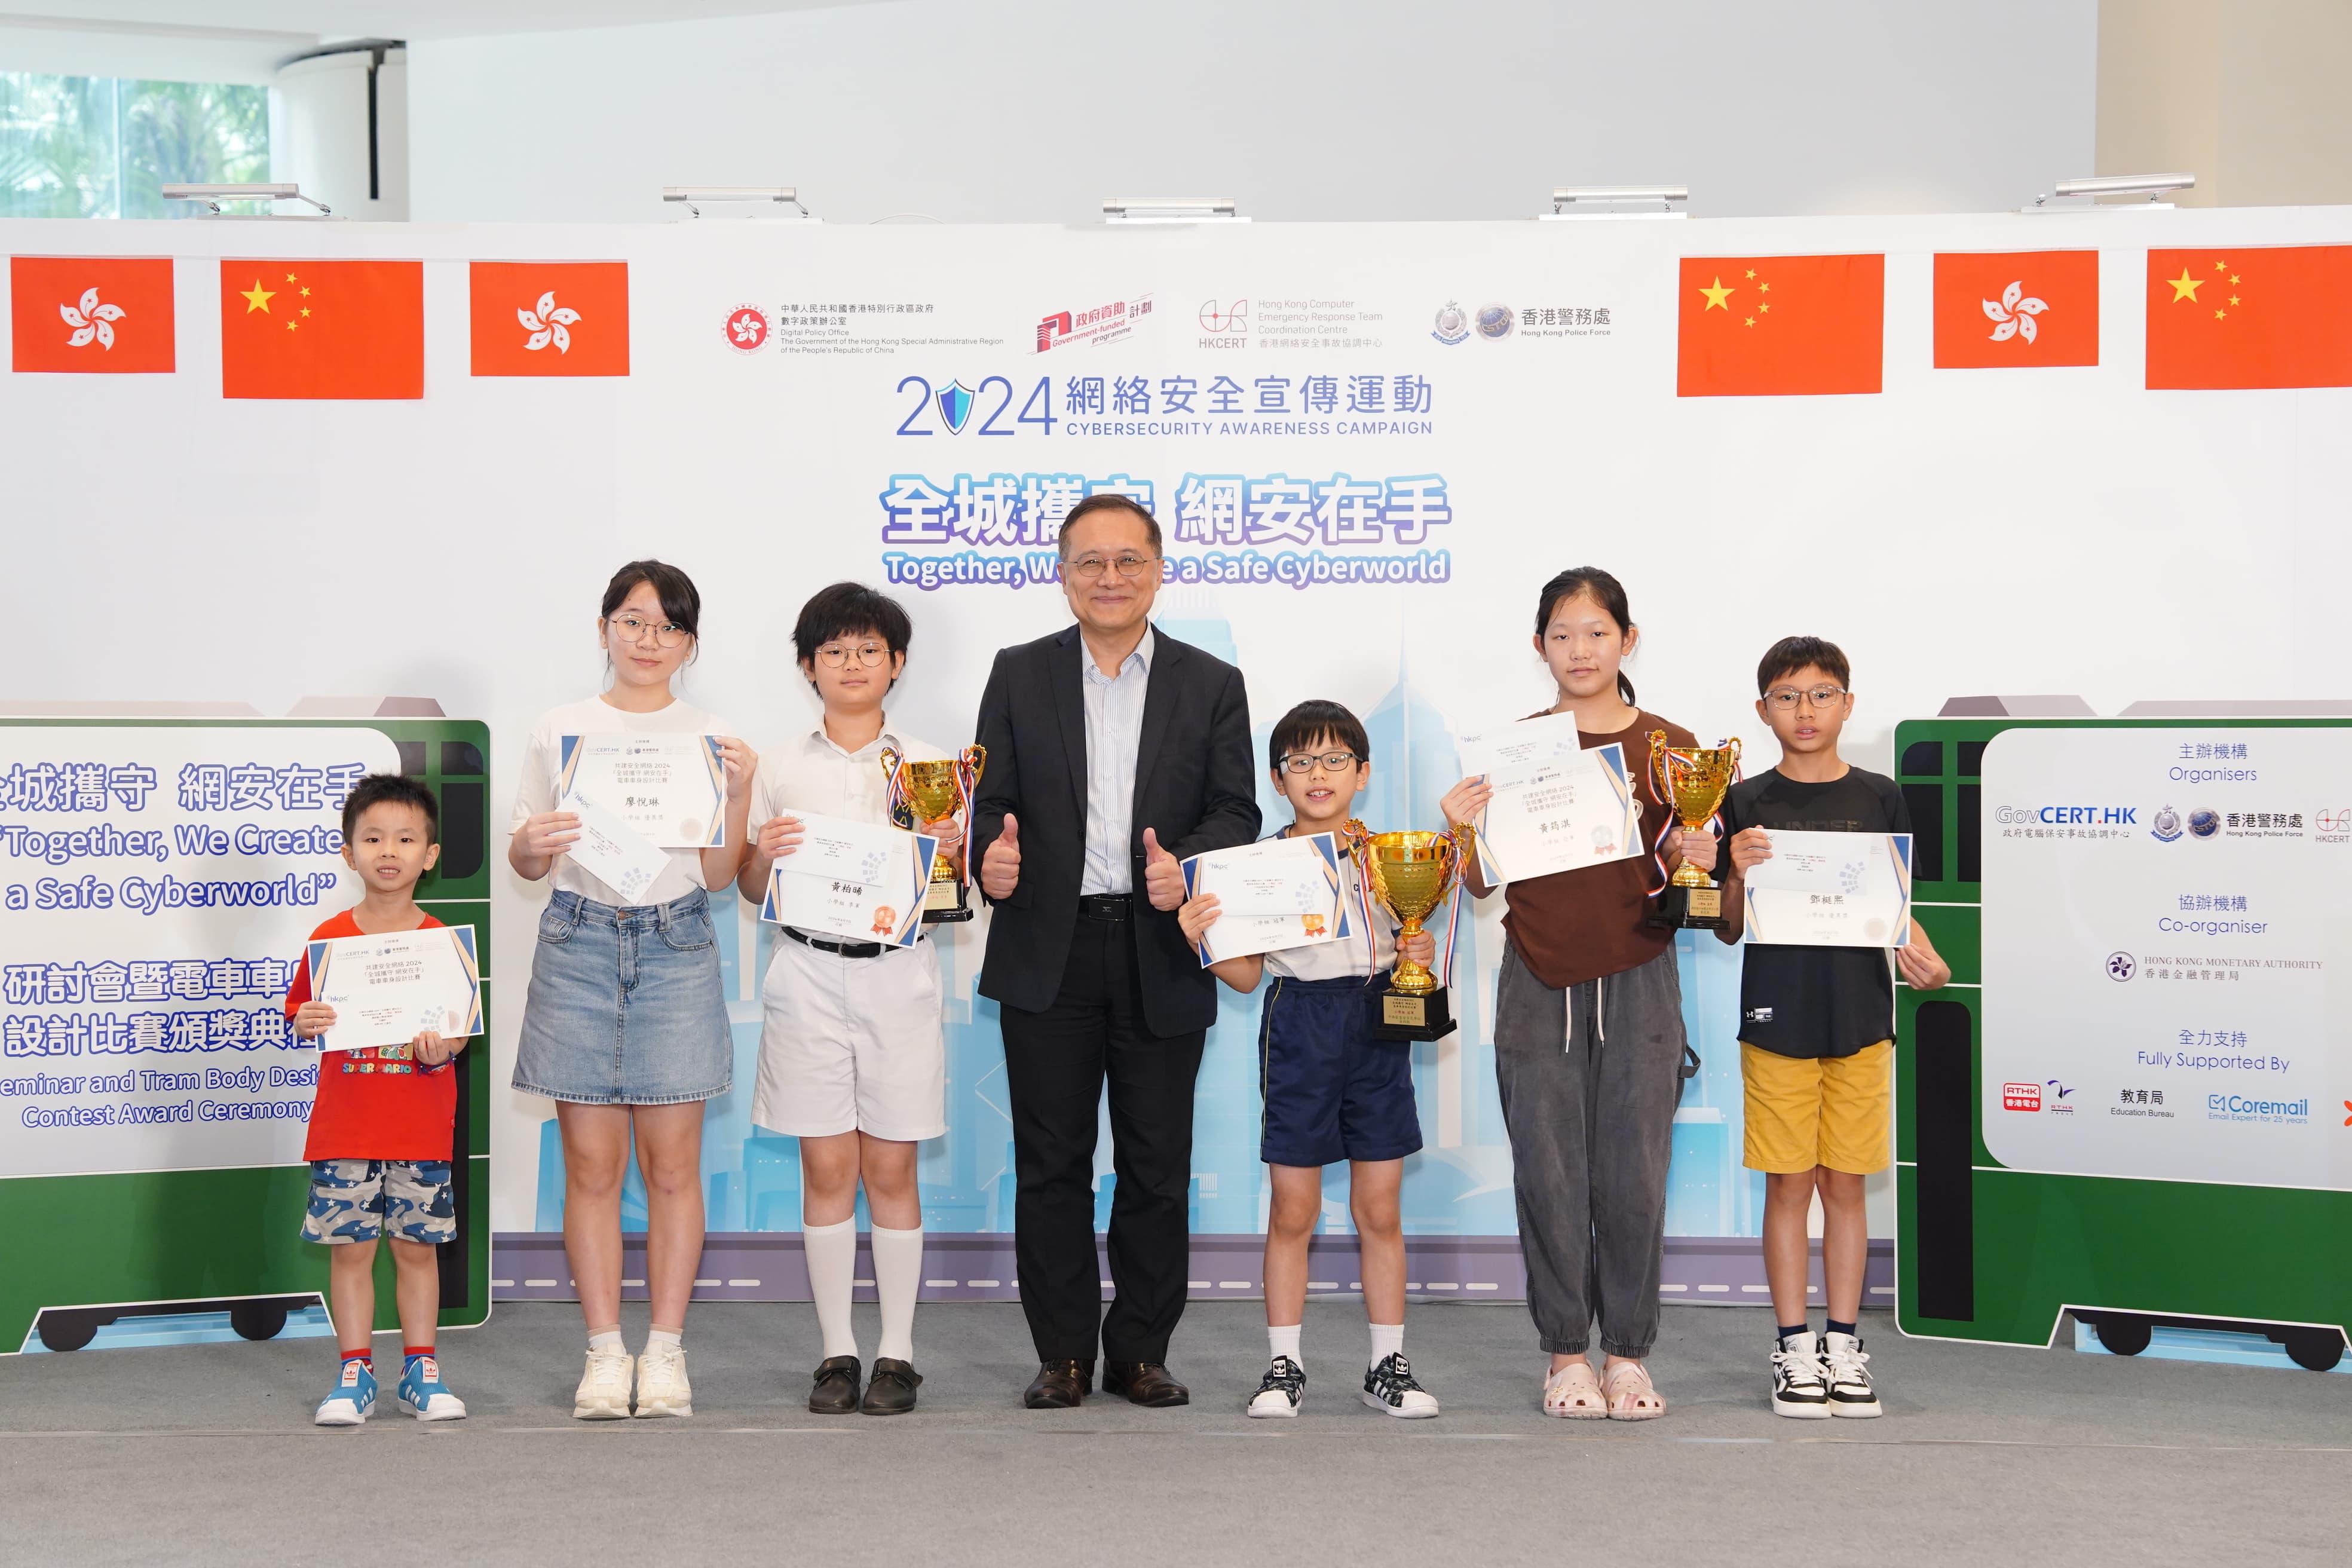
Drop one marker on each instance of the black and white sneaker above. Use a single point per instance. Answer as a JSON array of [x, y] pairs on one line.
[[1799, 1386], [1389, 1388], [1281, 1391], [1850, 1392]]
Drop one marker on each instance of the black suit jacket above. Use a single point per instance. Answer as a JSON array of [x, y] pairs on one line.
[[1195, 785]]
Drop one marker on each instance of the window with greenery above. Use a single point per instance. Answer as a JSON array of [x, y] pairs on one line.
[[82, 146]]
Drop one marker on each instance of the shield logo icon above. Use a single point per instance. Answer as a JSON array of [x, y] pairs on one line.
[[955, 406]]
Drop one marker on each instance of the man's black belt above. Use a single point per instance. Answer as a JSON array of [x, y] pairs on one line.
[[845, 949], [1113, 907]]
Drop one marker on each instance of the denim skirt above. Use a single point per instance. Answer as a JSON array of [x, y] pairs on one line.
[[625, 1005]]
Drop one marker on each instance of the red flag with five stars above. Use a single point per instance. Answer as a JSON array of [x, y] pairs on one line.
[[1767, 326], [108, 314], [322, 329], [2259, 316], [1995, 310]]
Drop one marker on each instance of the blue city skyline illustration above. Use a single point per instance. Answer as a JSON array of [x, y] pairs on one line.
[[752, 1178]]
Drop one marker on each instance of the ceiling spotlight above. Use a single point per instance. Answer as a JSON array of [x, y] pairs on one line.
[[1170, 209], [213, 196], [696, 197], [1616, 201], [2152, 186]]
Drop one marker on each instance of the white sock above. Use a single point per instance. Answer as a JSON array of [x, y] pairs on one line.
[[832, 1252], [898, 1278], [1280, 1341], [672, 1338], [1388, 1339], [606, 1340]]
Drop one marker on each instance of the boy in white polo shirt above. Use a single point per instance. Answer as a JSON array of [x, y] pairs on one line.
[[853, 1061]]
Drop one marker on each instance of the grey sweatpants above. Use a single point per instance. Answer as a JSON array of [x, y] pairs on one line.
[[1590, 1079]]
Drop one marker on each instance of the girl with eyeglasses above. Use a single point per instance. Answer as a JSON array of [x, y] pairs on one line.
[[625, 1025]]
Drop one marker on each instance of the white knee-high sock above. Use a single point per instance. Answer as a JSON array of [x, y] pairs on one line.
[[832, 1251], [898, 1278]]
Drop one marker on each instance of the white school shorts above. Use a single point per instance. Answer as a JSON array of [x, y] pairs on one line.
[[852, 1044]]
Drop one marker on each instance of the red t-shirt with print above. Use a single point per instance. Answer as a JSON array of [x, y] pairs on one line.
[[372, 1106]]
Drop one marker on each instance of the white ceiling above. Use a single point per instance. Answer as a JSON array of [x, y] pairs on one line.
[[308, 20]]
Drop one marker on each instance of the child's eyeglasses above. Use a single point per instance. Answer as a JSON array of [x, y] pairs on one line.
[[632, 628], [1333, 761], [1785, 699], [835, 655]]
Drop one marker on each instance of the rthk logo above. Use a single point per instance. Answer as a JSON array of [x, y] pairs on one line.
[[2021, 1096]]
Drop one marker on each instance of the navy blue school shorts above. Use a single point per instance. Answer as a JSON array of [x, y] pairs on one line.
[[1332, 1090]]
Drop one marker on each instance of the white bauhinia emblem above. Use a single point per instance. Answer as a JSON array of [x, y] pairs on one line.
[[2011, 316], [90, 321], [551, 323]]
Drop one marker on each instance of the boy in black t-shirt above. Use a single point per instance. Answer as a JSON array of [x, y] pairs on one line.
[[1816, 1027]]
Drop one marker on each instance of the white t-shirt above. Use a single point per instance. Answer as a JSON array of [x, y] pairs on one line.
[[1338, 960], [536, 793], [812, 773]]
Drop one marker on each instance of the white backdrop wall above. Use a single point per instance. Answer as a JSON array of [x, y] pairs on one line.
[[1034, 111]]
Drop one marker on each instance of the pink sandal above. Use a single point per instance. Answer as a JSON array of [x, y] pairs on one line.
[[1573, 1393], [1632, 1395]]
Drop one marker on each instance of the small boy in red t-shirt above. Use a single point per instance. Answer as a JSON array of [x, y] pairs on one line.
[[381, 1124]]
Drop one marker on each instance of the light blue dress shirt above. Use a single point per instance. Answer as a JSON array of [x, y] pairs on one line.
[[1114, 732]]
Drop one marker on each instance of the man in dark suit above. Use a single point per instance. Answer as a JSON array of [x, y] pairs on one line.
[[1113, 751]]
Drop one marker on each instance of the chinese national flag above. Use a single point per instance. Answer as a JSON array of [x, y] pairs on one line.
[[551, 317], [2262, 316], [108, 314], [1995, 310], [1768, 326], [322, 329]]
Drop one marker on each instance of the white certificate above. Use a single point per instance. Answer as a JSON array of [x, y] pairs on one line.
[[1832, 890], [613, 852], [1281, 893], [1558, 805], [387, 989], [855, 879], [670, 787]]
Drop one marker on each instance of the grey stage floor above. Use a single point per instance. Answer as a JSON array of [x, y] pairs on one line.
[[205, 1453]]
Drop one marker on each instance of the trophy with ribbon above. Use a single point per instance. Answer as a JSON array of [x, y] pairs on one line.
[[1409, 875], [927, 792], [1692, 780]]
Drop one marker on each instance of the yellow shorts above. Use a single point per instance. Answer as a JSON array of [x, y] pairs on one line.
[[1832, 1111]]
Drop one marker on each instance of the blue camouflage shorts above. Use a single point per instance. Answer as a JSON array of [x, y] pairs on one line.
[[359, 1200]]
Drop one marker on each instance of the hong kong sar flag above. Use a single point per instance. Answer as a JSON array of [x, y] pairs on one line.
[[1995, 310], [551, 317], [1768, 326], [322, 329], [103, 314]]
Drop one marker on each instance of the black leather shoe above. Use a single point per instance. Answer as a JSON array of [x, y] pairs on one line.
[[1144, 1383], [892, 1390], [1060, 1386], [835, 1392]]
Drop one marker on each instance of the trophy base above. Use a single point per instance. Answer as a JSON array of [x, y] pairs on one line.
[[945, 901], [1426, 1016], [1689, 908]]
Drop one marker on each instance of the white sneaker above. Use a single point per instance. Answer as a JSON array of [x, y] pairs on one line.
[[1799, 1386], [1281, 1391], [662, 1388], [603, 1391], [1850, 1392], [1389, 1388]]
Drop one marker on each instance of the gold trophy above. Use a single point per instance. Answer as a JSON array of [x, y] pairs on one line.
[[930, 791], [1409, 875], [1692, 780]]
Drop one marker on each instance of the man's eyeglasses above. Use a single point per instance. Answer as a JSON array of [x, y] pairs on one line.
[[1333, 761], [835, 655], [632, 628], [1089, 568], [1785, 698]]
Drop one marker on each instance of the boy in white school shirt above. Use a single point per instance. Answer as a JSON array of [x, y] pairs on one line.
[[852, 1058]]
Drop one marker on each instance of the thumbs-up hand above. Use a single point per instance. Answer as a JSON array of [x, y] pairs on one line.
[[1164, 877], [1000, 869]]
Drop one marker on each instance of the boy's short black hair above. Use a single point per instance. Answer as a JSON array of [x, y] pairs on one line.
[[849, 610], [1790, 655], [392, 789], [1312, 720]]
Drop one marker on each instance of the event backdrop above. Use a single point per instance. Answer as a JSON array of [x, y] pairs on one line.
[[2100, 453]]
